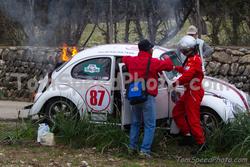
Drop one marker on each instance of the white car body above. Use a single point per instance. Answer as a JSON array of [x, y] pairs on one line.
[[96, 96]]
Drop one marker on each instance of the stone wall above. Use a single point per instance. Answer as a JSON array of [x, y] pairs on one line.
[[30, 63], [231, 64], [24, 64]]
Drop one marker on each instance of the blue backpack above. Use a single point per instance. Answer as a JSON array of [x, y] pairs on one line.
[[137, 90]]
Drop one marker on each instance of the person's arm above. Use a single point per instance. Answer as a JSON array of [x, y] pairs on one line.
[[179, 69], [188, 75], [207, 50], [125, 59], [164, 65]]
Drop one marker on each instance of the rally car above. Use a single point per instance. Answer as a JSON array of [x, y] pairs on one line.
[[93, 83]]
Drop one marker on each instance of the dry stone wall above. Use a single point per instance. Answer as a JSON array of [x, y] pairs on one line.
[[232, 65], [28, 64], [21, 67]]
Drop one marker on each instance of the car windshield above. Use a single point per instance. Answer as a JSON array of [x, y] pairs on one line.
[[177, 61]]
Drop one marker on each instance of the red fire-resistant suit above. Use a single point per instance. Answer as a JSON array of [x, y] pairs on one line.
[[186, 113]]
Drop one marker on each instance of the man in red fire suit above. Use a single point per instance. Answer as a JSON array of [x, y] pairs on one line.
[[186, 113]]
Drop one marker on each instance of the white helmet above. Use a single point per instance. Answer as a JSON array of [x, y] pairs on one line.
[[187, 45], [187, 42]]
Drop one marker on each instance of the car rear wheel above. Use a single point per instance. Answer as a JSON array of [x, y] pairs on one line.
[[210, 120], [61, 106]]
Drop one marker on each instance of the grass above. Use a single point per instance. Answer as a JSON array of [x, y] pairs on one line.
[[82, 133], [94, 142], [17, 132], [233, 137]]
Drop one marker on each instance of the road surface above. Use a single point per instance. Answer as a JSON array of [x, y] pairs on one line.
[[9, 109]]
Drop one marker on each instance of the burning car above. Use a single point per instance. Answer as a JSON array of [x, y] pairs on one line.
[[93, 82]]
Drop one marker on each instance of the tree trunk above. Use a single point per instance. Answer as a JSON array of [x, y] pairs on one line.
[[127, 24], [138, 28], [235, 26], [111, 30]]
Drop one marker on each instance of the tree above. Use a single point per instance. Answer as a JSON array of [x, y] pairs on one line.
[[50, 22], [11, 32]]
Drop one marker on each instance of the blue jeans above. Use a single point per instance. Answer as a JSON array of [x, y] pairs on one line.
[[146, 111]]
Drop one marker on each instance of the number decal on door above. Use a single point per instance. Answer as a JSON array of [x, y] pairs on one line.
[[93, 97], [98, 98]]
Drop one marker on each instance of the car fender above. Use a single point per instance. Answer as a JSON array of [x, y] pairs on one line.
[[59, 91], [219, 106]]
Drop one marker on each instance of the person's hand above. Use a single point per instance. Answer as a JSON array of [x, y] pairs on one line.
[[179, 69], [172, 85]]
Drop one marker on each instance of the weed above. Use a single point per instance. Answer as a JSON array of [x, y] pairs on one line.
[[233, 137], [24, 130], [82, 133]]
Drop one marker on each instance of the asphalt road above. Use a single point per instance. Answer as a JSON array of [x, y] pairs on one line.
[[9, 109]]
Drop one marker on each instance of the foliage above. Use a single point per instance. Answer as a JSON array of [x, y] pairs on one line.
[[24, 130], [83, 133], [233, 137], [229, 21]]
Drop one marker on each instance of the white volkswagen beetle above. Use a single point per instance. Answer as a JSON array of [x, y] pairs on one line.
[[92, 83]]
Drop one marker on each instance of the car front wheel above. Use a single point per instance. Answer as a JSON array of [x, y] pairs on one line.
[[210, 120], [60, 106]]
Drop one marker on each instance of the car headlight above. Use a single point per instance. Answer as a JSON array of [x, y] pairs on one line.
[[234, 107]]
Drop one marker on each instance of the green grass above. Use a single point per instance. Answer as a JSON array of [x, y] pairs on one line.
[[96, 142], [17, 132], [82, 133], [233, 138], [229, 141]]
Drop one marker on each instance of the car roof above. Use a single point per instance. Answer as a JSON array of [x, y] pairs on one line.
[[116, 50]]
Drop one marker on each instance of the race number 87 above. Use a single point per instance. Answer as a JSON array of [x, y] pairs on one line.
[[93, 97]]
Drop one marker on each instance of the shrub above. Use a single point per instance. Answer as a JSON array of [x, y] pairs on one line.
[[233, 137], [83, 133]]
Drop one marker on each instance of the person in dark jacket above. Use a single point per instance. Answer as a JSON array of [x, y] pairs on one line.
[[137, 68]]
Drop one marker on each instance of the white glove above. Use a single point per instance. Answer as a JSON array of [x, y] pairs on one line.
[[170, 86]]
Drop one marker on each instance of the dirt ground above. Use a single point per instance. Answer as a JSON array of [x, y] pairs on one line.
[[35, 155]]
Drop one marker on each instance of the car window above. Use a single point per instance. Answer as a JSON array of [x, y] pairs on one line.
[[93, 69], [176, 61]]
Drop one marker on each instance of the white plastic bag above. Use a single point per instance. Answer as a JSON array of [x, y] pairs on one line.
[[43, 129], [48, 139]]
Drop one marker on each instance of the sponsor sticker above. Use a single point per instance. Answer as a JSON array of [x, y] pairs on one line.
[[92, 68]]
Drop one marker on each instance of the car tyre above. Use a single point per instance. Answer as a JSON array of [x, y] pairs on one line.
[[60, 105], [210, 120]]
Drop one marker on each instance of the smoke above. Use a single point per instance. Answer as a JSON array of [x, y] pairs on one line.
[[46, 22], [52, 22]]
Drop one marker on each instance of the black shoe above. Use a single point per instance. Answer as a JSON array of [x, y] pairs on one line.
[[201, 148], [186, 141]]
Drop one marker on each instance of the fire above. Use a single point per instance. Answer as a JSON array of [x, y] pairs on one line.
[[64, 55], [74, 51], [68, 53]]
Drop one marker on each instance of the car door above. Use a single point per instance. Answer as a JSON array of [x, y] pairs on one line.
[[162, 110], [170, 76], [92, 78]]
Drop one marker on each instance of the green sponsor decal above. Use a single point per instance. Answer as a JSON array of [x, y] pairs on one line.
[[92, 68]]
